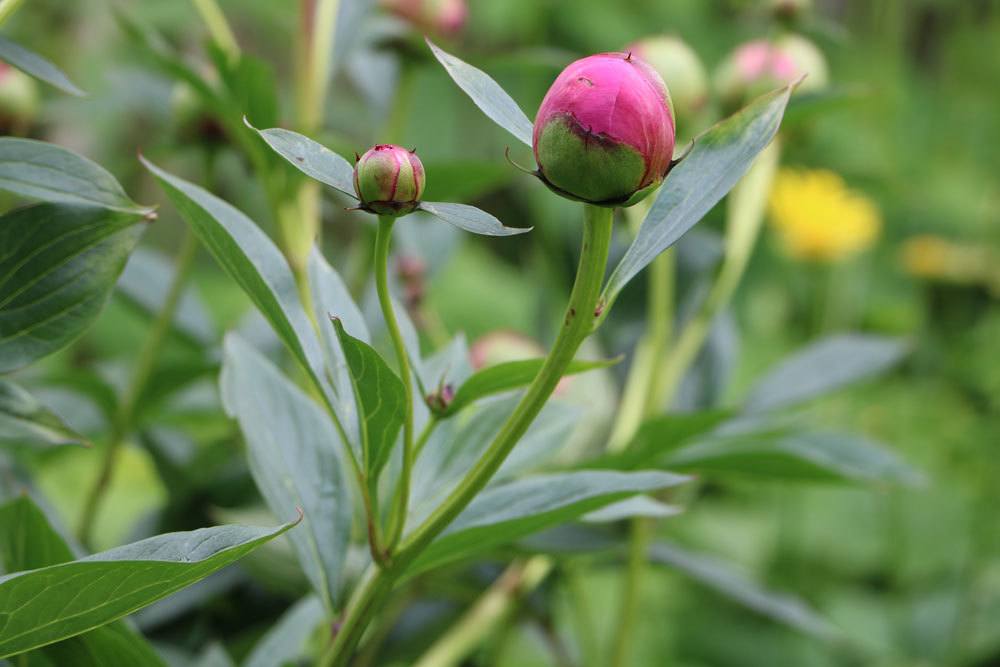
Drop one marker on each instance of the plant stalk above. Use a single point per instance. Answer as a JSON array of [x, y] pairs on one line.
[[218, 27], [143, 368], [8, 7], [581, 313], [383, 240]]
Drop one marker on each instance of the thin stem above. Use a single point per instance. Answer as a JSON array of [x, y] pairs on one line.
[[8, 7], [491, 609], [141, 371], [425, 435], [577, 325], [639, 538], [383, 239], [218, 28]]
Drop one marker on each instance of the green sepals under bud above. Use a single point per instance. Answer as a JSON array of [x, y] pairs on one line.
[[389, 180]]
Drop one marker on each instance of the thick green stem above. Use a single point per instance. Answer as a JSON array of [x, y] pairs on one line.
[[383, 240], [577, 325], [8, 7], [143, 368]]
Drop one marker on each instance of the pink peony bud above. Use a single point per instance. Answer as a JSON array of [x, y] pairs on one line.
[[680, 66], [605, 131], [389, 180], [759, 66], [444, 17], [18, 98]]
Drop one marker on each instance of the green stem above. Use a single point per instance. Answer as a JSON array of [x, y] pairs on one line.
[[218, 28], [425, 435], [641, 532], [8, 7], [577, 325], [143, 368], [383, 239]]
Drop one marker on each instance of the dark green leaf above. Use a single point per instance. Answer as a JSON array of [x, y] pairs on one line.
[[58, 267], [28, 541], [380, 397], [723, 579], [253, 261], [800, 456], [823, 367], [24, 420], [487, 94], [470, 218], [145, 283], [311, 158], [52, 603], [296, 459], [510, 511], [718, 160], [510, 375], [37, 66], [51, 173], [286, 641]]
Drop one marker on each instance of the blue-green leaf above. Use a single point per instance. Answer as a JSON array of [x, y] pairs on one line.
[[487, 94], [470, 218], [37, 66], [287, 640], [24, 420], [717, 161], [310, 157]]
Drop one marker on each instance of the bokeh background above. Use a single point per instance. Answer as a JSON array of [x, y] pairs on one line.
[[885, 218]]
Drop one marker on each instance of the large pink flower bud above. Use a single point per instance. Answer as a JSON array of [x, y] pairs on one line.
[[444, 17], [389, 180], [605, 131]]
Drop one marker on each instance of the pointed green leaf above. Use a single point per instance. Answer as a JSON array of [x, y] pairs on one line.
[[510, 511], [636, 506], [310, 157], [31, 63], [727, 581], [253, 261], [24, 420], [380, 397], [51, 173], [824, 367], [487, 94], [58, 266], [28, 541], [296, 459], [470, 218], [49, 604], [718, 160], [510, 375], [286, 642]]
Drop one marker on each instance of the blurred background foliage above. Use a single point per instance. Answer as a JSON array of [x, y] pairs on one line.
[[885, 218]]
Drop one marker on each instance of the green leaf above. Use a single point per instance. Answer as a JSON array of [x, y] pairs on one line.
[[717, 161], [296, 459], [510, 375], [487, 94], [726, 581], [470, 218], [510, 511], [145, 283], [286, 641], [380, 397], [661, 435], [48, 604], [215, 655], [824, 367], [253, 261], [58, 267], [28, 541], [51, 173], [24, 420], [636, 506], [799, 456], [310, 157], [37, 66]]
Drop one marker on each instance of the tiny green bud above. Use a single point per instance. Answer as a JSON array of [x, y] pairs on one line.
[[389, 180]]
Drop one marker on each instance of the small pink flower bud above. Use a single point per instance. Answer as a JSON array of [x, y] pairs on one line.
[[18, 98], [605, 131], [389, 180], [444, 17], [759, 66], [681, 68]]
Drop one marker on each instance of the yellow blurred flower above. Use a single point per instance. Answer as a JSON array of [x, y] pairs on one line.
[[934, 258], [819, 218]]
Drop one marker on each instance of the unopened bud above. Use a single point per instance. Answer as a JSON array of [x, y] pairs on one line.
[[760, 66], [443, 17], [389, 180]]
